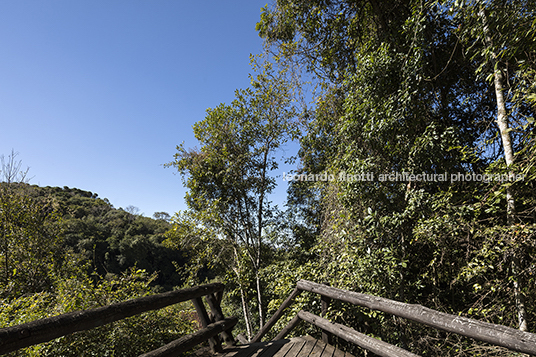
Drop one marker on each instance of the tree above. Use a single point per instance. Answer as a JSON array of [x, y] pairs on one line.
[[164, 216], [30, 235], [229, 176], [408, 91], [499, 37]]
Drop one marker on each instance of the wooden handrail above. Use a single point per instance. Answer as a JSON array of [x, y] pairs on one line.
[[187, 342], [372, 344], [43, 330], [499, 335]]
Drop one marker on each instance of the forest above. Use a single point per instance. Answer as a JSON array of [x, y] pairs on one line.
[[414, 180]]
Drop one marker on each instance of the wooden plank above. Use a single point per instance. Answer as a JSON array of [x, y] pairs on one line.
[[241, 351], [327, 350], [297, 345], [495, 334], [307, 348], [43, 330], [318, 348], [258, 337], [378, 347], [232, 351], [270, 349], [185, 343], [331, 351], [283, 351]]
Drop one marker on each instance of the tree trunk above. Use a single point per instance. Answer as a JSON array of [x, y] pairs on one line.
[[504, 126], [519, 296], [245, 309], [506, 139], [246, 314]]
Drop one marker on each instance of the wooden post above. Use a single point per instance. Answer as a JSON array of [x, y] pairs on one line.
[[327, 337], [214, 341], [215, 307]]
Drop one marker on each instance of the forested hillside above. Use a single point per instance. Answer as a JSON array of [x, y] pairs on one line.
[[109, 240], [65, 249], [414, 180]]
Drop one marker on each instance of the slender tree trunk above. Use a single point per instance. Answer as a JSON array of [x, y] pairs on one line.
[[245, 309], [506, 139], [519, 296], [245, 312], [504, 126], [260, 214]]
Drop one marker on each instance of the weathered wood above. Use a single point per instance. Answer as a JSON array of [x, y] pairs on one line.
[[242, 339], [187, 342], [305, 346], [43, 330], [276, 316], [283, 351], [376, 346], [324, 306], [495, 334], [286, 330], [214, 341], [214, 304]]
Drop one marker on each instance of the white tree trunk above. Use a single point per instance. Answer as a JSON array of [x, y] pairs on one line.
[[506, 139]]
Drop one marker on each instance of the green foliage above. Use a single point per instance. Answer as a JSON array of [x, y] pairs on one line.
[[52, 238], [113, 240], [129, 337], [406, 89], [229, 179], [31, 244]]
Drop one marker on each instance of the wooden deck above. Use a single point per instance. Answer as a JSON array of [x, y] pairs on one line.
[[305, 346]]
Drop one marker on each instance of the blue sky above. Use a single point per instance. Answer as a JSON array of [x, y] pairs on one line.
[[97, 94]]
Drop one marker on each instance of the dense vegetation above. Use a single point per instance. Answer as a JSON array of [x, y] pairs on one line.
[[415, 181], [415, 176], [66, 249]]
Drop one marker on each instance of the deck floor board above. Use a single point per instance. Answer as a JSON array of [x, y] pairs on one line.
[[294, 347]]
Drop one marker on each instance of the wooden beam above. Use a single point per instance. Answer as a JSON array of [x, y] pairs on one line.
[[276, 316], [371, 344], [215, 308], [214, 341], [187, 342], [43, 330], [286, 330], [495, 334]]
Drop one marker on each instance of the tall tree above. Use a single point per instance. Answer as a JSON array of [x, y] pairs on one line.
[[499, 35], [229, 176]]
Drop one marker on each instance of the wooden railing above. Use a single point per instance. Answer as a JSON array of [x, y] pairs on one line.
[[499, 335], [39, 331]]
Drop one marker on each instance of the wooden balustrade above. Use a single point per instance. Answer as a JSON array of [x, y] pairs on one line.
[[43, 330], [499, 335], [20, 336]]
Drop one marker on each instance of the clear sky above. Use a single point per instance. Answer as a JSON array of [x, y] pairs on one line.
[[97, 94]]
